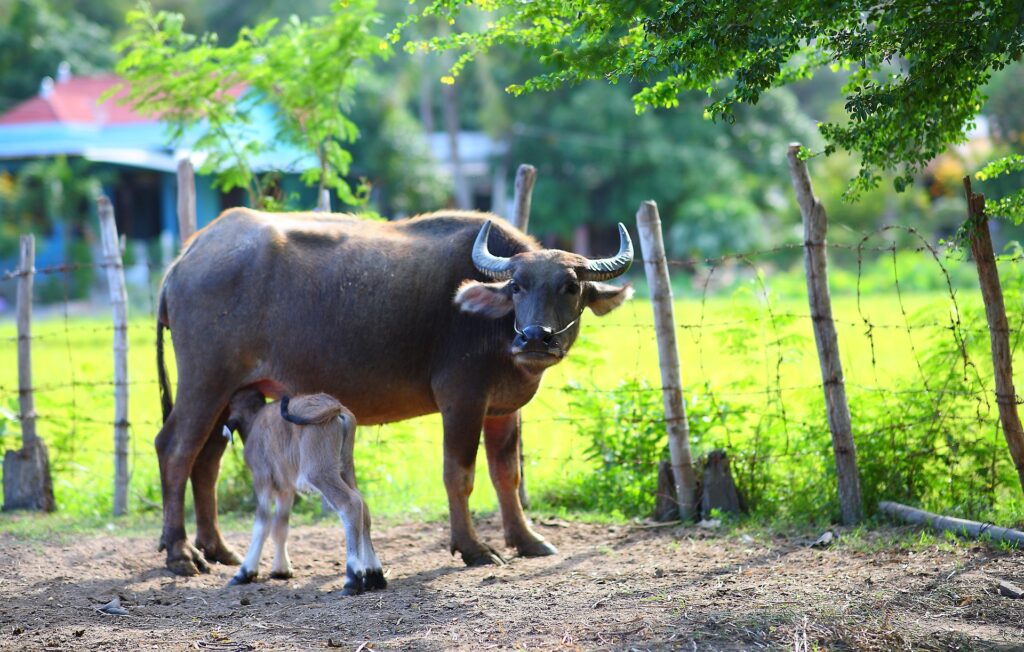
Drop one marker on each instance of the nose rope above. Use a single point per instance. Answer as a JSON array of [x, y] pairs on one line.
[[515, 326]]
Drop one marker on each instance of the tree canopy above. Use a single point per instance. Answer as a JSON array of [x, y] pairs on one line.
[[916, 68], [307, 70]]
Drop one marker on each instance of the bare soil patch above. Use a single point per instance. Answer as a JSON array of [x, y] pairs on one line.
[[611, 587]]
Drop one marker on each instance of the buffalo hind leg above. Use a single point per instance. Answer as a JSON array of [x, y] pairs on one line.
[[204, 494], [180, 440], [501, 439], [461, 442]]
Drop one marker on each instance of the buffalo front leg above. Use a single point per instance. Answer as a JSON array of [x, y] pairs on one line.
[[501, 439], [204, 493], [461, 441]]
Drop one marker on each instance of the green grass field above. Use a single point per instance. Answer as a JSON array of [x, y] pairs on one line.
[[737, 352]]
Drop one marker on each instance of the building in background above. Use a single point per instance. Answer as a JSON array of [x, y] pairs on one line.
[[131, 154]]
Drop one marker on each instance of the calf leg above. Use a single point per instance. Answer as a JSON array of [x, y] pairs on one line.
[[374, 578], [250, 567], [461, 441], [282, 568], [501, 439], [362, 568], [180, 440], [204, 492]]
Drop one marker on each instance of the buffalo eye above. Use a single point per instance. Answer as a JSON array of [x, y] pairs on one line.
[[514, 287], [572, 287]]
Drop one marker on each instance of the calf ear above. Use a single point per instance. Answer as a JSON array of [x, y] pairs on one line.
[[603, 297], [491, 300]]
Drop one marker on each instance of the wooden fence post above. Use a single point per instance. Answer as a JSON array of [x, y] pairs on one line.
[[526, 175], [323, 204], [998, 327], [186, 200], [27, 481], [816, 268], [656, 267], [119, 307]]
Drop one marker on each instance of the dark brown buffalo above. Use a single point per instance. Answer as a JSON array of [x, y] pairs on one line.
[[447, 312]]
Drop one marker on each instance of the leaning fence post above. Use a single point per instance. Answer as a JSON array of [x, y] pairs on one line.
[[656, 266], [27, 481], [816, 268], [526, 175], [998, 327], [323, 203], [119, 307], [186, 200]]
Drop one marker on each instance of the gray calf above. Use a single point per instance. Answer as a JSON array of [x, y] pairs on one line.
[[300, 444]]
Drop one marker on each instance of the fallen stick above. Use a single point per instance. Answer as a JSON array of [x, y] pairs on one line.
[[959, 526]]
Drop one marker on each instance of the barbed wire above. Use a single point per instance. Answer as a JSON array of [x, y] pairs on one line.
[[760, 418]]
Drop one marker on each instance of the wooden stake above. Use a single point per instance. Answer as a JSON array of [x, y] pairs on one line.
[[119, 307], [27, 481], [998, 327], [653, 247], [526, 175], [26, 271], [816, 267], [186, 200], [960, 526], [323, 205]]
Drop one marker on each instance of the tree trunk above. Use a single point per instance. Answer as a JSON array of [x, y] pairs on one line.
[[450, 108]]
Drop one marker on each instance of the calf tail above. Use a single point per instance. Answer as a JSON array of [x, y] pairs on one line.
[[161, 367], [310, 410]]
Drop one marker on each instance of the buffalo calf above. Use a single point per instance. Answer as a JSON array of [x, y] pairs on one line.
[[300, 444]]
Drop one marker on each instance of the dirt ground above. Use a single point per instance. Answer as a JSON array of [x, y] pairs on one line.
[[611, 587]]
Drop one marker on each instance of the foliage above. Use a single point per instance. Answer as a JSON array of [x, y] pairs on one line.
[[916, 68], [626, 439], [1012, 205], [37, 35], [715, 224], [306, 70], [45, 196]]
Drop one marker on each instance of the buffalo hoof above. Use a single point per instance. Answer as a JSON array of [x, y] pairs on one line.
[[374, 580], [219, 553], [483, 555], [243, 576], [185, 559], [281, 575], [539, 548], [354, 582]]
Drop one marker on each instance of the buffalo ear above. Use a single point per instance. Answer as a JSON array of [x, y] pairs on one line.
[[602, 298], [491, 300]]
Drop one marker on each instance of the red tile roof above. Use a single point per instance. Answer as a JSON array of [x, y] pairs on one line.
[[76, 101]]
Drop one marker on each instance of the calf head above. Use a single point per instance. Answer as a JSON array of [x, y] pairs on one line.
[[546, 291], [242, 409]]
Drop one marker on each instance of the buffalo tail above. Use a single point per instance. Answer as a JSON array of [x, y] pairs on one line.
[[161, 367]]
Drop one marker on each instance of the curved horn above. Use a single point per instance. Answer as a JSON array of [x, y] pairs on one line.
[[606, 268], [496, 267]]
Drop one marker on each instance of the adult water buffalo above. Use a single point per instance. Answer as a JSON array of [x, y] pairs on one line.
[[448, 312]]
